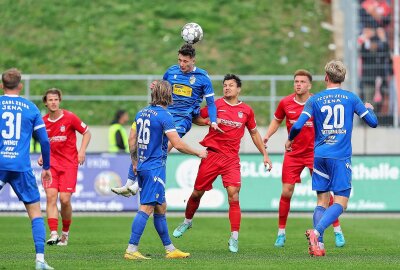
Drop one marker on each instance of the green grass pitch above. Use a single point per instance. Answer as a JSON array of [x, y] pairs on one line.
[[100, 242]]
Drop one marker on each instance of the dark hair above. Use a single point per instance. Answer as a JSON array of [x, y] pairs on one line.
[[187, 50], [118, 115], [53, 91], [233, 77], [11, 78], [303, 72]]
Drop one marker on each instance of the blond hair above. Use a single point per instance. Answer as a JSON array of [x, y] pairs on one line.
[[336, 71], [11, 78], [161, 93]]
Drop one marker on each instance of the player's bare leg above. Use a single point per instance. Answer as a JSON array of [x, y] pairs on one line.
[[66, 215], [191, 208], [284, 209], [52, 214], [235, 216], [38, 233], [337, 229]]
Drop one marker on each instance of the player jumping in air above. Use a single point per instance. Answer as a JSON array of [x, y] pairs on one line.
[[223, 156], [190, 84], [302, 154], [332, 111]]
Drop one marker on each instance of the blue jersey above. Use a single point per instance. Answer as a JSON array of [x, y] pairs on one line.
[[152, 124], [188, 91], [19, 119], [333, 111]]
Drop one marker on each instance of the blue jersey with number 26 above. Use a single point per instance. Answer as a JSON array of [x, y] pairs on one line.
[[333, 111], [19, 119], [152, 124]]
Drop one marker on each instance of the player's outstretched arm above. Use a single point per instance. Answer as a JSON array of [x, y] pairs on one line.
[[84, 144], [258, 142], [370, 117], [273, 127], [181, 146]]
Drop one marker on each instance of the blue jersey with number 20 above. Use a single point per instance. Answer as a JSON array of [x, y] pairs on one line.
[[333, 111], [152, 124]]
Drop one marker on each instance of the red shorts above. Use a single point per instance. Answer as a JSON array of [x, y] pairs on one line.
[[218, 164], [64, 179], [294, 165]]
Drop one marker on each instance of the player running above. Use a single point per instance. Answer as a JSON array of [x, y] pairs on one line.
[[21, 118], [61, 126], [301, 156], [149, 157], [223, 156], [190, 84], [332, 110]]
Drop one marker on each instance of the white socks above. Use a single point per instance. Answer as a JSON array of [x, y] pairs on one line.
[[281, 231], [235, 235], [187, 221], [170, 247], [337, 229], [129, 182], [40, 257], [132, 248]]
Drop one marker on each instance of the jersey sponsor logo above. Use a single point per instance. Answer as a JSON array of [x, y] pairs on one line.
[[192, 79], [58, 139], [231, 123], [182, 90], [62, 128], [292, 112], [240, 114], [222, 110]]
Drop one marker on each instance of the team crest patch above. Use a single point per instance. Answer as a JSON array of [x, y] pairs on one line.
[[175, 76], [240, 114], [192, 79], [62, 128]]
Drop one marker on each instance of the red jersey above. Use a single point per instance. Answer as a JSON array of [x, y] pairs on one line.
[[291, 109], [234, 118], [62, 139]]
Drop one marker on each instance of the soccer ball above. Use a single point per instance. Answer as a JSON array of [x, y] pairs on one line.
[[192, 33]]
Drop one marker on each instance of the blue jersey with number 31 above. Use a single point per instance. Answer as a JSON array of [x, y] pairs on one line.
[[333, 111], [19, 119], [152, 124]]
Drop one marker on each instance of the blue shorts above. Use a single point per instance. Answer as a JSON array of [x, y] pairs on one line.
[[23, 183], [331, 174], [152, 186], [182, 124]]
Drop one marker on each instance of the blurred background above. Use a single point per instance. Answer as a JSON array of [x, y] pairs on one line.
[[104, 54]]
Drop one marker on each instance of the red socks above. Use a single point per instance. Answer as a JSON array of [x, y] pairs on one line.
[[336, 222], [284, 208], [66, 224], [234, 215], [53, 224], [191, 207]]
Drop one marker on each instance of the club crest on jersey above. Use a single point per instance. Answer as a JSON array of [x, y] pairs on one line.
[[240, 114], [175, 76], [62, 128], [192, 79]]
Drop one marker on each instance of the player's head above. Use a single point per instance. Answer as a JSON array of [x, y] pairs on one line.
[[335, 72], [186, 58], [302, 81], [11, 80], [232, 86], [161, 93], [121, 116], [52, 99]]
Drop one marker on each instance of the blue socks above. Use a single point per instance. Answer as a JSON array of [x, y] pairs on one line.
[[39, 234], [330, 215], [138, 225], [160, 223], [318, 213]]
